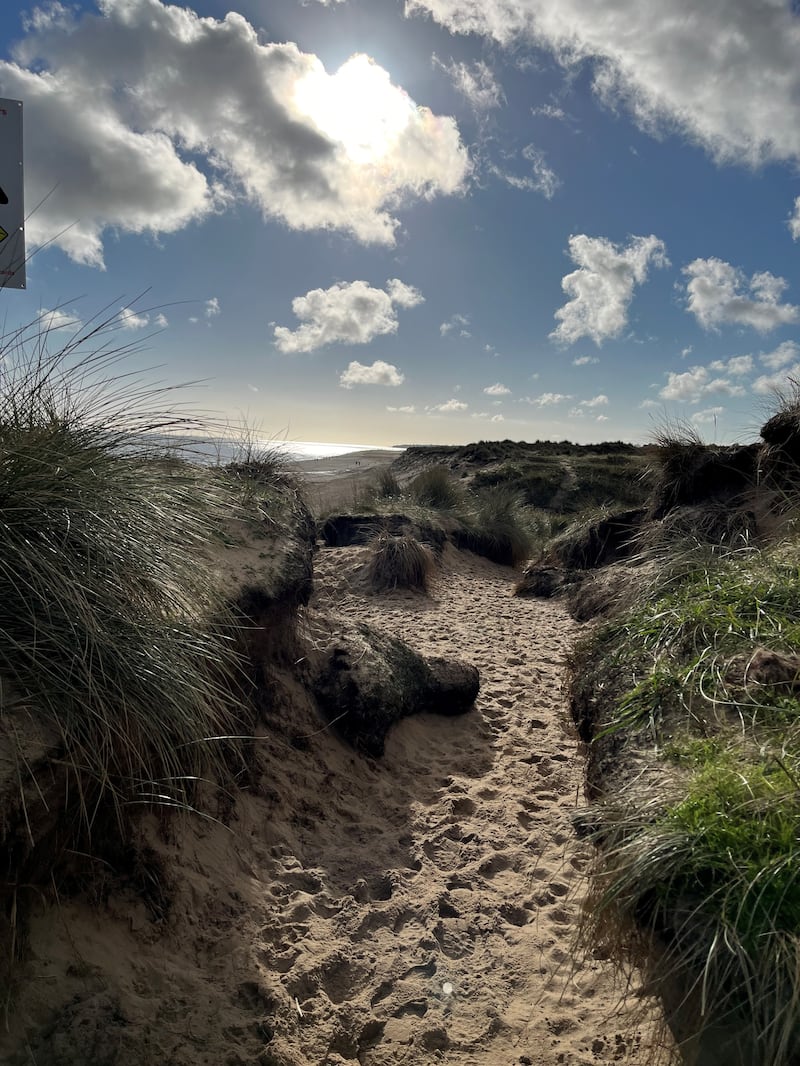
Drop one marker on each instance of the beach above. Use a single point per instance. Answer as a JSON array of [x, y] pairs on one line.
[[339, 479]]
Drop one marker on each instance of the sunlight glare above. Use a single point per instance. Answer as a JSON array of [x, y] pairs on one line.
[[357, 106]]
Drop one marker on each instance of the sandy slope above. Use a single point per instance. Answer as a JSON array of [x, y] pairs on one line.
[[410, 910]]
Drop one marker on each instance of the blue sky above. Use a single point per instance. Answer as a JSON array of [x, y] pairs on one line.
[[437, 221]]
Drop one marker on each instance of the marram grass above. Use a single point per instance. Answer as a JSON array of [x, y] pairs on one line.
[[111, 628]]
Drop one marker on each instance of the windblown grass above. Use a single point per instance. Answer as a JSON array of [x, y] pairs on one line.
[[113, 631]]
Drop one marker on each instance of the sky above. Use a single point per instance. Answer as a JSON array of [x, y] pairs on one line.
[[430, 221]]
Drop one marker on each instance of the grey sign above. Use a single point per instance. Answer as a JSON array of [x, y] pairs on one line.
[[12, 206]]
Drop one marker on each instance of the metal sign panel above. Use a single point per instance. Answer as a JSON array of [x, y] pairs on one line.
[[12, 206]]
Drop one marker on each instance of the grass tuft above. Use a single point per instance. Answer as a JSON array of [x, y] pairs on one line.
[[399, 562]]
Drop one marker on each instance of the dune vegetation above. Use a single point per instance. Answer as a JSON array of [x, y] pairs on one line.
[[122, 678], [688, 696]]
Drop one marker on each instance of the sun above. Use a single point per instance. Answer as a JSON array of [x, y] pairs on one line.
[[357, 106]]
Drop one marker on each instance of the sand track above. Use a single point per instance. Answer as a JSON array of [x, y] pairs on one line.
[[455, 945]]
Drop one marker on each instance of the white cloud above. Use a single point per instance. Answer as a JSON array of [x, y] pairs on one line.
[[546, 399], [718, 295], [794, 220], [786, 352], [497, 389], [408, 409], [687, 351], [212, 308], [57, 319], [348, 313], [488, 416], [696, 383], [550, 111], [769, 383], [541, 179], [601, 289], [736, 365], [476, 82], [379, 373], [585, 360], [449, 405], [647, 405], [726, 74], [129, 319], [709, 415], [596, 401], [457, 322], [161, 320], [147, 117], [601, 418]]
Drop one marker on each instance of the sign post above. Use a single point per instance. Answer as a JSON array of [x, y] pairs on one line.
[[12, 207]]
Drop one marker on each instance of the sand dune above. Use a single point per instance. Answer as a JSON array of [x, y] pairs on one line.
[[414, 909]]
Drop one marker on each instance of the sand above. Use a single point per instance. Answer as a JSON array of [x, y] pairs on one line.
[[338, 480], [414, 909]]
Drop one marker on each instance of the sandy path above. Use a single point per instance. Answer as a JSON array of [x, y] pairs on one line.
[[455, 939], [413, 909]]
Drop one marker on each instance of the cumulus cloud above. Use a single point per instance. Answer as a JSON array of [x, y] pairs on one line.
[[498, 389], [778, 382], [725, 74], [546, 399], [146, 117], [476, 82], [457, 322], [601, 289], [129, 319], [721, 294], [696, 383], [709, 415], [737, 365], [57, 318], [488, 416], [449, 405], [379, 373], [785, 353], [585, 360], [346, 313], [212, 308]]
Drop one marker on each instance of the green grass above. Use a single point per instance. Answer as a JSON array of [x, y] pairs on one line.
[[706, 857]]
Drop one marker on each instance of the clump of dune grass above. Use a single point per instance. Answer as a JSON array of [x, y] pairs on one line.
[[114, 633], [399, 562], [496, 527], [435, 488], [699, 867]]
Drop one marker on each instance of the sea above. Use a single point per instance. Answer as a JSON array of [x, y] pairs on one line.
[[229, 449]]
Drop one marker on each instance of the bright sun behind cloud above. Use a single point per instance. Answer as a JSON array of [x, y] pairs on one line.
[[357, 106]]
